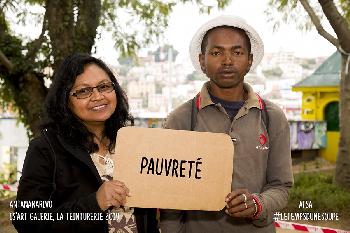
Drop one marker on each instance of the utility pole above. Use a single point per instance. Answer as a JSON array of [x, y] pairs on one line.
[[170, 63]]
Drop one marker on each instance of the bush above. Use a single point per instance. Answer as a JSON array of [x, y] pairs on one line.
[[325, 196], [8, 176]]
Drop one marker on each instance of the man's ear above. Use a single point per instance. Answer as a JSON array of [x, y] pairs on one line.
[[201, 59], [250, 62]]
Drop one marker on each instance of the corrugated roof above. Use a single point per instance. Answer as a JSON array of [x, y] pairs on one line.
[[327, 74]]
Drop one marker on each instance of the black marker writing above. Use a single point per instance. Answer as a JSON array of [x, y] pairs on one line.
[[171, 167]]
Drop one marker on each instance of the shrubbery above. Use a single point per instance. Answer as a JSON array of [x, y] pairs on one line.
[[318, 188], [8, 176]]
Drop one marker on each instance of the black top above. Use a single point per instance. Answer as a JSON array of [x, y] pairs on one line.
[[231, 107], [65, 174]]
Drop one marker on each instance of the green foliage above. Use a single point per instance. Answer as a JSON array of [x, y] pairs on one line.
[[25, 11], [291, 12], [321, 191], [12, 48], [133, 24], [345, 6], [203, 8], [124, 18], [5, 4], [4, 194], [6, 96], [148, 17], [34, 2], [8, 176]]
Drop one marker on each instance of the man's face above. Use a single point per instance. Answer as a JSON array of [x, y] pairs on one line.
[[226, 59]]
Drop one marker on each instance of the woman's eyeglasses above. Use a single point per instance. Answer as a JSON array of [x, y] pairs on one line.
[[86, 92]]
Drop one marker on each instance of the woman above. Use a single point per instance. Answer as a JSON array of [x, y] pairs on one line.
[[71, 163]]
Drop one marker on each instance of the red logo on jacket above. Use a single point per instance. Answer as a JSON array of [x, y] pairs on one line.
[[262, 139]]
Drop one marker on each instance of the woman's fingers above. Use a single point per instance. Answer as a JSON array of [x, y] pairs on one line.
[[121, 184], [111, 193]]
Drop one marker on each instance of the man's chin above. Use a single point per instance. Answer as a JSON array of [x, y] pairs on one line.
[[226, 85]]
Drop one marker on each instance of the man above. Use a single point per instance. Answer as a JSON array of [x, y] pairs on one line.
[[225, 49]]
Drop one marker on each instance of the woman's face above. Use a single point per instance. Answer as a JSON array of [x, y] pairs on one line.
[[95, 109]]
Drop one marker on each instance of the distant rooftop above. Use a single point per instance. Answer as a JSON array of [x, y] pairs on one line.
[[327, 74]]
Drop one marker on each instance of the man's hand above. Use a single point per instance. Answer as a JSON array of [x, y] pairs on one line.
[[240, 204]]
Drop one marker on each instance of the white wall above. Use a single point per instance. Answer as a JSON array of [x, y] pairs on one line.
[[12, 134]]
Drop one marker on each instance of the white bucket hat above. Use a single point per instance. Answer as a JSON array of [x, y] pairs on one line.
[[257, 45]]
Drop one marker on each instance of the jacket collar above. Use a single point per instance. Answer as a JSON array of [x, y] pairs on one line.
[[253, 100], [81, 154]]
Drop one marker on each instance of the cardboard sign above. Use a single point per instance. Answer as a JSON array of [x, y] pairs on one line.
[[174, 169]]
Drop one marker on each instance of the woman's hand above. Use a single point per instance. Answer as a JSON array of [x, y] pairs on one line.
[[240, 204], [111, 193]]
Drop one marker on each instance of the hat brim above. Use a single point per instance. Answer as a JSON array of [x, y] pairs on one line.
[[257, 45]]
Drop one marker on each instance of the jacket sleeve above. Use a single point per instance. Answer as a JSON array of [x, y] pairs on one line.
[[37, 184], [279, 177]]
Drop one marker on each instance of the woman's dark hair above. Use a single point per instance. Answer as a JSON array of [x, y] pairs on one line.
[[58, 116]]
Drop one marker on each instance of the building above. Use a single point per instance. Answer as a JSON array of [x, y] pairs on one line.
[[320, 101], [13, 144]]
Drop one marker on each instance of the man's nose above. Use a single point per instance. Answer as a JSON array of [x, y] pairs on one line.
[[227, 58]]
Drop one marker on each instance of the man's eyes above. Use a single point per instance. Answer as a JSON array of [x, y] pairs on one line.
[[238, 52], [235, 52], [215, 53]]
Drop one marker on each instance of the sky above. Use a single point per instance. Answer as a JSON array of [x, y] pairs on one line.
[[186, 19]]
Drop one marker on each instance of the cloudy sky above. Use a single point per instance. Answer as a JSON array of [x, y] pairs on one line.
[[185, 20]]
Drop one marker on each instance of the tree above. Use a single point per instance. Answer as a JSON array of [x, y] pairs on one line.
[[69, 26], [338, 16]]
